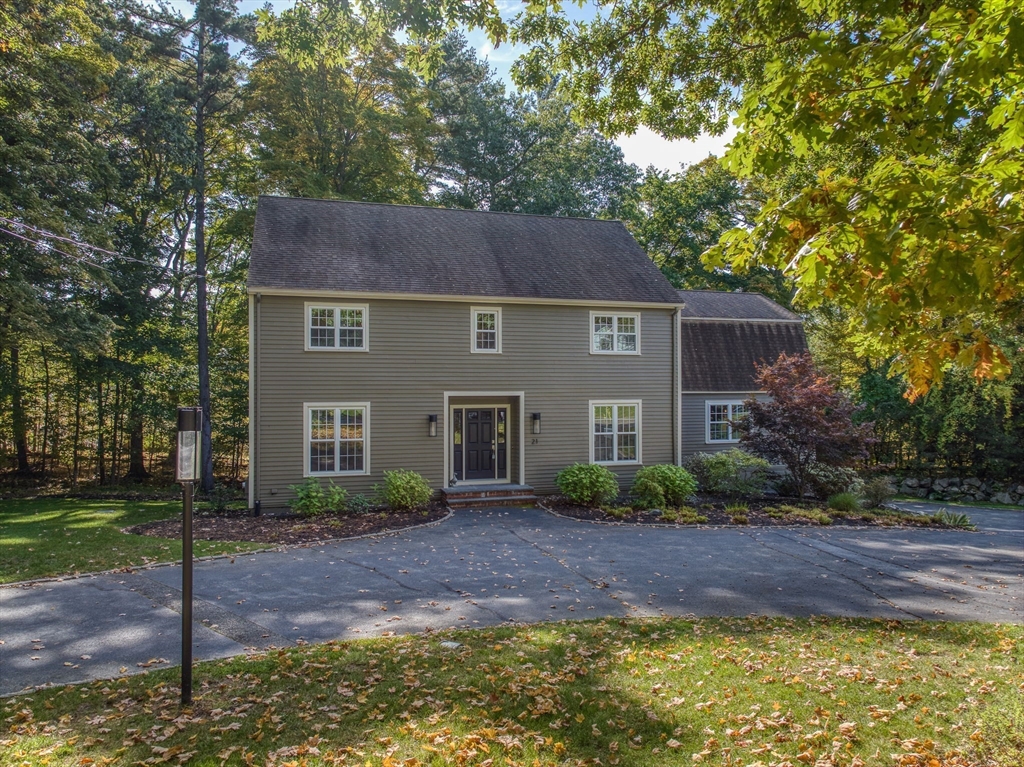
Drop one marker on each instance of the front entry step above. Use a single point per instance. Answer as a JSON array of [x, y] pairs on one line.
[[469, 495]]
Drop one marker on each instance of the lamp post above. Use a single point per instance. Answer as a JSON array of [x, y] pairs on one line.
[[187, 470]]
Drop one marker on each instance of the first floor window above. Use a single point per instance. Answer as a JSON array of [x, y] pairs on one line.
[[336, 327], [336, 436], [615, 333], [615, 432], [721, 418]]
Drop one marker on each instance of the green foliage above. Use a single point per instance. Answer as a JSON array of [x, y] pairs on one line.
[[359, 504], [684, 515], [335, 498], [730, 472], [618, 512], [827, 481], [877, 491], [888, 140], [677, 216], [587, 484], [310, 498], [844, 502], [648, 493], [955, 519], [676, 483], [404, 490]]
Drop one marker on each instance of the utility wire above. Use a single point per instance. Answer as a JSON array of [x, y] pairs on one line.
[[76, 243]]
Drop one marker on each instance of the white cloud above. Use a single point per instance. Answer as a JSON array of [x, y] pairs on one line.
[[645, 147]]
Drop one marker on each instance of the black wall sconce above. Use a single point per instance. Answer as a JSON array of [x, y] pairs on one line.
[[431, 425], [536, 423]]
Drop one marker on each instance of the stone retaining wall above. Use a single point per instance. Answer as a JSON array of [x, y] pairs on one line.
[[964, 490]]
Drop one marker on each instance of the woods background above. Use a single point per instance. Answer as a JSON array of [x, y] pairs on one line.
[[134, 142]]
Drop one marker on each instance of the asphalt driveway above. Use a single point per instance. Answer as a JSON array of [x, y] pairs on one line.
[[494, 566]]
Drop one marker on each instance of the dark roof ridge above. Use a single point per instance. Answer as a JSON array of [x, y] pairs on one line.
[[438, 207]]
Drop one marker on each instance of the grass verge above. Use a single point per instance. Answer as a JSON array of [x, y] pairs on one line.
[[43, 537], [609, 692]]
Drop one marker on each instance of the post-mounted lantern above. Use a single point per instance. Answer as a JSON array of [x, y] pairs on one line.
[[190, 427], [187, 470]]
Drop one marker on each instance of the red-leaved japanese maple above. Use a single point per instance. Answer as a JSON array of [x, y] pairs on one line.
[[806, 421]]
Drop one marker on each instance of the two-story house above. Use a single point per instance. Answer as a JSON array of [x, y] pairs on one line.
[[469, 346], [482, 349]]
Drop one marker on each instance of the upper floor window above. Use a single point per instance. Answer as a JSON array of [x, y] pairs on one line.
[[720, 420], [486, 330], [336, 328], [615, 333]]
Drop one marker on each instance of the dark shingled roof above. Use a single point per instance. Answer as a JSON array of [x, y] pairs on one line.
[[720, 356], [715, 304], [307, 244]]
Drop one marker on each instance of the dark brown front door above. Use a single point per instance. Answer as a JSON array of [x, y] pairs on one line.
[[480, 443]]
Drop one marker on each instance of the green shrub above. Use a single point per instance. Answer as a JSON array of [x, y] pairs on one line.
[[877, 491], [954, 519], [826, 481], [648, 494], [587, 483], [404, 490], [676, 483], [844, 502], [335, 498], [731, 472], [310, 498], [358, 504]]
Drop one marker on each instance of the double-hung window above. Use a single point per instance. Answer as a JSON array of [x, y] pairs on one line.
[[337, 439], [615, 432], [614, 333], [720, 421], [485, 330], [336, 328]]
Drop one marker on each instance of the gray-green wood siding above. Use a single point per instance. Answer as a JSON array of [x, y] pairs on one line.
[[418, 350], [694, 421]]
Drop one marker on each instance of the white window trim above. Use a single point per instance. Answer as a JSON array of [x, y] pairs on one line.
[[707, 420], [306, 407], [639, 429], [308, 314], [473, 311], [615, 319]]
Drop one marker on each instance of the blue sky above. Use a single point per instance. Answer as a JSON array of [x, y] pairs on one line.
[[643, 148]]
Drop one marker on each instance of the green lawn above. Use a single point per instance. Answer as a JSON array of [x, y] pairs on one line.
[[52, 536], [610, 692]]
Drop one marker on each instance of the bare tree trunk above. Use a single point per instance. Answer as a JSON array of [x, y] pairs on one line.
[[100, 457], [204, 352], [46, 406], [136, 447], [18, 418], [78, 429]]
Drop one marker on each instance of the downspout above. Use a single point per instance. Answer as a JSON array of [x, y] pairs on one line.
[[677, 410]]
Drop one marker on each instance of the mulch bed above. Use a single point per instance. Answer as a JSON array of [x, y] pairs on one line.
[[714, 510], [240, 526]]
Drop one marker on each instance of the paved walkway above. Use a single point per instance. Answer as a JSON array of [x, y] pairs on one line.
[[502, 565]]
